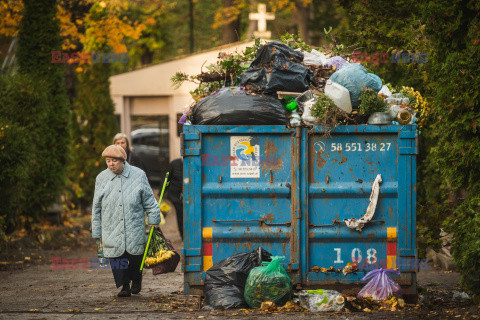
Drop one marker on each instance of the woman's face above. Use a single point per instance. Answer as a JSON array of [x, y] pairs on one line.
[[115, 165], [122, 143]]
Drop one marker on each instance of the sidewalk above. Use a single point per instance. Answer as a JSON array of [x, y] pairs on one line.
[[40, 292]]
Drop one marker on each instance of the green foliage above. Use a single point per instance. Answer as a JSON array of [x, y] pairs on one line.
[[371, 102], [323, 107], [13, 161], [457, 98], [325, 15], [384, 27], [93, 125], [24, 150], [41, 108], [450, 146], [295, 42], [38, 37], [465, 228], [327, 113], [453, 27], [179, 78]]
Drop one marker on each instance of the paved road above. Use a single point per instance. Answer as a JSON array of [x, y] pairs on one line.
[[40, 292]]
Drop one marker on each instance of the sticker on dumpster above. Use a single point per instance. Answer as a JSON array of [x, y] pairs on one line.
[[245, 158]]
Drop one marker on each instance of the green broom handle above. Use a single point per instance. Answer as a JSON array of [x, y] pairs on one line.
[[146, 248], [163, 188], [151, 229]]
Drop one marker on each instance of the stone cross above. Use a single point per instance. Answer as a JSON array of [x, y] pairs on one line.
[[262, 16]]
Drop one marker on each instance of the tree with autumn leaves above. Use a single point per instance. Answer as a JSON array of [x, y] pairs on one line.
[[93, 123], [64, 137]]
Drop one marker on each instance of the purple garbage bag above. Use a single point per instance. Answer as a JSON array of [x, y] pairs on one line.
[[381, 286], [336, 61], [183, 119]]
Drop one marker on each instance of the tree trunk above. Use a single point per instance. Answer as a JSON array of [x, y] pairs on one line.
[[302, 18], [147, 57], [231, 32], [252, 26], [191, 26]]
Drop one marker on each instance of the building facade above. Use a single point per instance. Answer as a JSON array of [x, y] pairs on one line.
[[146, 98]]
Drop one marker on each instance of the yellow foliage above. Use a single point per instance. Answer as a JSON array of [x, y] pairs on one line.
[[68, 30], [159, 257], [150, 21], [287, 5], [226, 15], [109, 31], [420, 105], [11, 14]]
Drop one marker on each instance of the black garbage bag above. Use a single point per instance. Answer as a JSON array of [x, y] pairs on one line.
[[277, 67], [232, 105], [225, 281]]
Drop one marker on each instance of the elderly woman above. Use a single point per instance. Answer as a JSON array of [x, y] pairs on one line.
[[121, 139], [122, 196]]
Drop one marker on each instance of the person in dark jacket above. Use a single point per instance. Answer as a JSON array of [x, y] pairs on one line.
[[121, 139], [175, 190]]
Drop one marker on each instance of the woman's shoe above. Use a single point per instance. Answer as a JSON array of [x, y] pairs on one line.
[[136, 286], [125, 292]]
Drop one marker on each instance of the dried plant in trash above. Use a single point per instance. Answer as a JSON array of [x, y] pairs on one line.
[[327, 113], [371, 102], [225, 72]]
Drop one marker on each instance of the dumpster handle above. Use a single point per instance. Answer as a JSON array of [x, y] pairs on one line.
[[337, 222], [288, 224]]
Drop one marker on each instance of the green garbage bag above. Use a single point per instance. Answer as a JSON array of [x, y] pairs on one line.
[[270, 282]]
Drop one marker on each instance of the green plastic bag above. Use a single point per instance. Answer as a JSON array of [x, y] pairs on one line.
[[270, 282]]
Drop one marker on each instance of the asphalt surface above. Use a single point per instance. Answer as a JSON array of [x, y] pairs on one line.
[[39, 291]]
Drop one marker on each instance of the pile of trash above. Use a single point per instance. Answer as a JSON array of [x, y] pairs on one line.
[[283, 86], [258, 280]]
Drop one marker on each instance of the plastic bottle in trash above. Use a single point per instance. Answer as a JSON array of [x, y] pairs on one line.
[[291, 104], [295, 121], [400, 114], [101, 259], [339, 94], [321, 300]]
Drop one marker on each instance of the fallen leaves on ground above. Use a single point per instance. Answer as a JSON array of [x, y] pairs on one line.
[[176, 303], [45, 235], [392, 303], [270, 307]]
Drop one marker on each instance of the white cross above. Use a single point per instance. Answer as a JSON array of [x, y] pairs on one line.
[[262, 16]]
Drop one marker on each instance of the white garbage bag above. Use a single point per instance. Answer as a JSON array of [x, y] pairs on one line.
[[385, 91], [313, 58], [307, 117]]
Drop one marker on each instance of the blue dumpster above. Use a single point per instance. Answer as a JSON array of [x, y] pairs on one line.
[[290, 192]]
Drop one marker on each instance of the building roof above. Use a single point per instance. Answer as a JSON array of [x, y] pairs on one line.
[[154, 80]]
